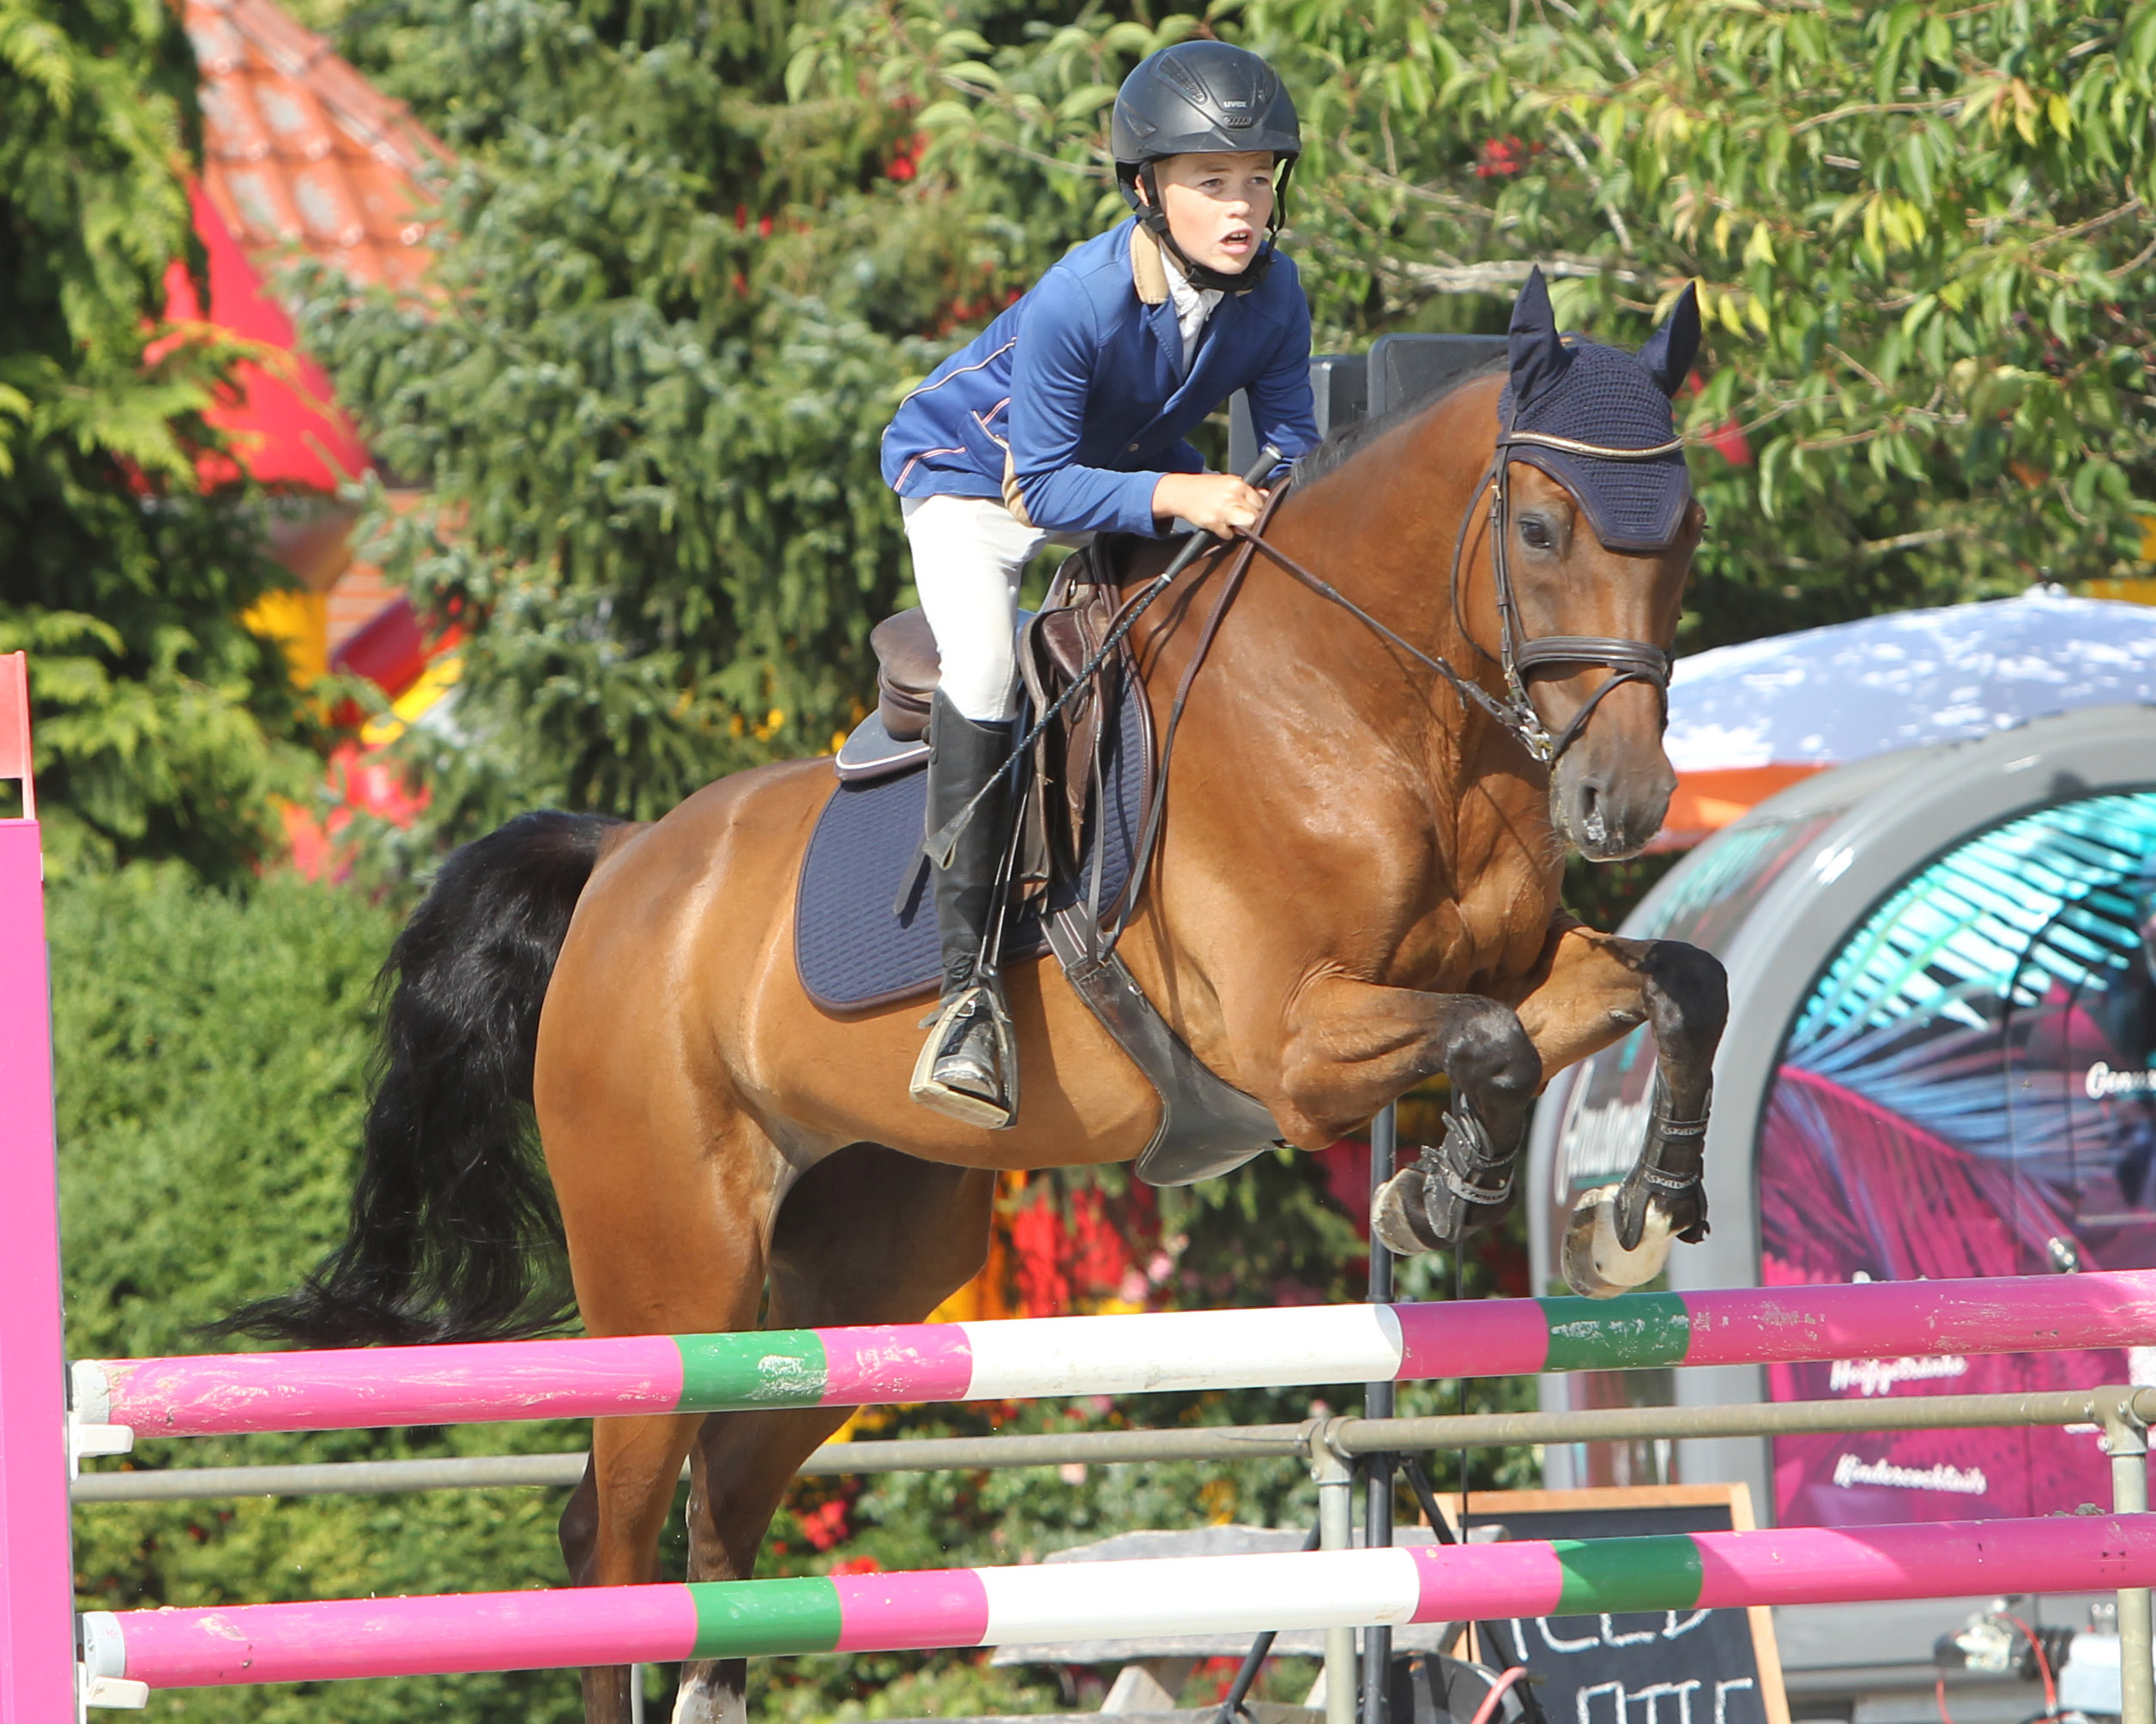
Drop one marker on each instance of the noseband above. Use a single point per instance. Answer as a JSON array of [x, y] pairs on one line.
[[1628, 661]]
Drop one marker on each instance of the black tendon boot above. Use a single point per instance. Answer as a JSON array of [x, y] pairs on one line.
[[969, 1069]]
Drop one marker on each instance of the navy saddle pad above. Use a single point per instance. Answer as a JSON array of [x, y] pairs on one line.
[[853, 952]]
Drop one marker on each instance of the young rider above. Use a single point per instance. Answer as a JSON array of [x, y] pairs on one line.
[[1065, 418]]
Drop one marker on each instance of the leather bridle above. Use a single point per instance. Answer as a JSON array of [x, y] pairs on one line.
[[1628, 661], [1519, 659]]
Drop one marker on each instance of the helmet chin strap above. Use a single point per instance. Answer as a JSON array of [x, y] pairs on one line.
[[1154, 214]]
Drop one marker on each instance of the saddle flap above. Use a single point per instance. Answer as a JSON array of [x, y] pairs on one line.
[[857, 950], [908, 670], [1074, 618]]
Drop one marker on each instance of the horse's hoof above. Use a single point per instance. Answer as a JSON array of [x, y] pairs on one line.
[[1595, 1264], [1399, 1220]]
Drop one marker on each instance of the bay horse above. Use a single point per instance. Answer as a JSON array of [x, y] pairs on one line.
[[1356, 888]]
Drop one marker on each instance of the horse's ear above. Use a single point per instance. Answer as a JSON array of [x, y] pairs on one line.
[[1669, 351], [1538, 358]]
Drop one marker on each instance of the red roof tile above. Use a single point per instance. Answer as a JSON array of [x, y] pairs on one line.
[[300, 149]]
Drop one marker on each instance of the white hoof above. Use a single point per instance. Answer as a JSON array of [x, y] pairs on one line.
[[1392, 1220], [1595, 1264]]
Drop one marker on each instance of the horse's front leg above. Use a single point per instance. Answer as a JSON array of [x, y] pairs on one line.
[[1354, 1046], [1590, 990]]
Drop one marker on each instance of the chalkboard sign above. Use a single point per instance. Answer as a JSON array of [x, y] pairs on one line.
[[1709, 1667]]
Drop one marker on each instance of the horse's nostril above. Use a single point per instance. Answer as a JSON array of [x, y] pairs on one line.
[[1592, 827]]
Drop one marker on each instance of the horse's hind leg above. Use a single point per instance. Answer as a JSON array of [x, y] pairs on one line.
[[664, 1191], [1594, 989], [633, 1512], [866, 1236]]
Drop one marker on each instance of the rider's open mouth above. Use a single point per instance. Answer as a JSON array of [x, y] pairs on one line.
[[1236, 239]]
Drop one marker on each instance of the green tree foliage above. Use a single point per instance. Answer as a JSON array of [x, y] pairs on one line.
[[211, 1054], [163, 725], [695, 257], [1921, 234], [647, 416]]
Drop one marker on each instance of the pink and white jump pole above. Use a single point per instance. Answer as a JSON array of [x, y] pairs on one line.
[[37, 1564], [1049, 1601]]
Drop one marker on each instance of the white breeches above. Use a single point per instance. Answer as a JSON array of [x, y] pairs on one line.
[[968, 552]]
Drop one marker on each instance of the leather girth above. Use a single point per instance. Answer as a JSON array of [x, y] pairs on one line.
[[1206, 1127]]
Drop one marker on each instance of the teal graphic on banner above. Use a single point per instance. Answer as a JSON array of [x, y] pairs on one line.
[[1967, 1091]]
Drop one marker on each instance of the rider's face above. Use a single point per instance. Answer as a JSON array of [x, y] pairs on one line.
[[1218, 206]]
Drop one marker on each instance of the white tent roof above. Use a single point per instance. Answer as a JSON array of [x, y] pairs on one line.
[[1828, 695]]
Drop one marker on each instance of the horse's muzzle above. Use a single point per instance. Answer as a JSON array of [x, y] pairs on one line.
[[1608, 803]]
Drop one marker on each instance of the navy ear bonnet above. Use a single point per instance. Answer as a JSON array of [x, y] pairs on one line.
[[1582, 392]]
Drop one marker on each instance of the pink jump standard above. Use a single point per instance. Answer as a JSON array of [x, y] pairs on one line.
[[36, 1568]]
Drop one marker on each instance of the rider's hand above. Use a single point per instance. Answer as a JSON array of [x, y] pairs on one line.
[[1217, 502]]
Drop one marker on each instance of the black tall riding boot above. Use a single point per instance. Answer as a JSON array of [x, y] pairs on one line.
[[969, 1069]]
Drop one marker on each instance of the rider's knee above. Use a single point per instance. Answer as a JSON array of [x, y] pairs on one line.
[[981, 680]]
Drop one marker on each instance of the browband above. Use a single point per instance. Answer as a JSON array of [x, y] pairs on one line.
[[1544, 440]]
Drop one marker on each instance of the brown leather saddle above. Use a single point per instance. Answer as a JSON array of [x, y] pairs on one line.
[[1206, 1126]]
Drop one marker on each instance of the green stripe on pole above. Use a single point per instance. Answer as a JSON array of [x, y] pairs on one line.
[[771, 1616], [1615, 1575], [771, 1368], [1603, 1335]]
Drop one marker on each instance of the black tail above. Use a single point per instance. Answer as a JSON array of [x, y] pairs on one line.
[[453, 1231]]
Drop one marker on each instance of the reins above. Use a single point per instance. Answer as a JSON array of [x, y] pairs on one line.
[[1518, 659], [1149, 833], [1629, 661]]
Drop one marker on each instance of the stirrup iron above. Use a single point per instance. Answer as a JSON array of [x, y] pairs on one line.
[[995, 1105]]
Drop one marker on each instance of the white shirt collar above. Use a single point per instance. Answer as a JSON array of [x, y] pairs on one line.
[[1193, 304]]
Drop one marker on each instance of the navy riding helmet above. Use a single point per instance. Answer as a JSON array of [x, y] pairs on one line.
[[1199, 96]]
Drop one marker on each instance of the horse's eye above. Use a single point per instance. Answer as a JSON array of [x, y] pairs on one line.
[[1536, 534]]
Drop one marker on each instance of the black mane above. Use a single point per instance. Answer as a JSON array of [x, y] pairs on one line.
[[1342, 446]]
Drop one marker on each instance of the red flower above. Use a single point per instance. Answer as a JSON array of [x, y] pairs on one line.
[[1728, 440], [1036, 1241], [1500, 157], [824, 1525], [857, 1565], [905, 158]]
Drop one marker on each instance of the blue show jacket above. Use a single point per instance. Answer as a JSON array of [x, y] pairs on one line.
[[1071, 404]]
